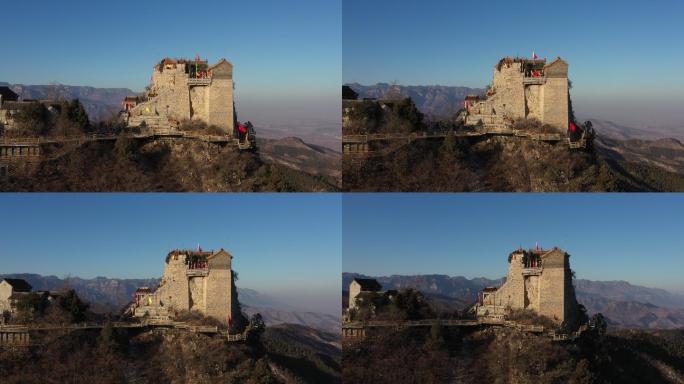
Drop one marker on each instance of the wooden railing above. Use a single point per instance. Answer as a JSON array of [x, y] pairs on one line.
[[531, 271], [25, 329], [354, 330], [33, 141], [358, 144]]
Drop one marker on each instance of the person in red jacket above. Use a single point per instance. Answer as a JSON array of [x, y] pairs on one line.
[[242, 129]]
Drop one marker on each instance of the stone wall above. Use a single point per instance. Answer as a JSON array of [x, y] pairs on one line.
[[551, 301], [509, 99], [199, 103], [511, 293], [197, 290], [220, 98], [219, 287], [171, 98], [220, 104], [210, 291], [174, 289], [5, 293], [532, 293], [545, 98], [534, 95], [570, 306], [7, 121], [354, 291], [548, 291], [555, 103]]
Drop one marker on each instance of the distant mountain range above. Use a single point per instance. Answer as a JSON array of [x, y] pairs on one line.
[[111, 295], [659, 146], [100, 103], [436, 101], [440, 101], [624, 304], [102, 293], [104, 103]]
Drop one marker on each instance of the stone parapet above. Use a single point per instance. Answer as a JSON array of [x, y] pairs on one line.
[[534, 80], [193, 81], [531, 271], [197, 272]]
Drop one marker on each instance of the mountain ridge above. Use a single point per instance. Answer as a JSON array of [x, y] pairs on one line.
[[100, 103], [105, 103], [112, 294], [624, 304], [436, 101]]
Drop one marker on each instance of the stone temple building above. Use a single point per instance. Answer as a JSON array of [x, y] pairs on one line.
[[540, 280], [192, 281], [524, 88], [359, 286], [185, 90], [10, 290]]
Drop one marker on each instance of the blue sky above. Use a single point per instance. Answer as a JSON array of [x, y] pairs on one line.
[[632, 237], [624, 56], [284, 245], [285, 53]]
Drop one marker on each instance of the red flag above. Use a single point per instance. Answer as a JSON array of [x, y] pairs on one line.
[[534, 56], [573, 127]]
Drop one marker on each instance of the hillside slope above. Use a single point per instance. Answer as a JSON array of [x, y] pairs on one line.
[[287, 354], [294, 153], [501, 164], [612, 130], [667, 154], [502, 355], [177, 166]]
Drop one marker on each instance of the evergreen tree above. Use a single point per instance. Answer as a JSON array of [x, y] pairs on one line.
[[78, 116], [255, 328], [73, 304], [406, 109], [34, 119]]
